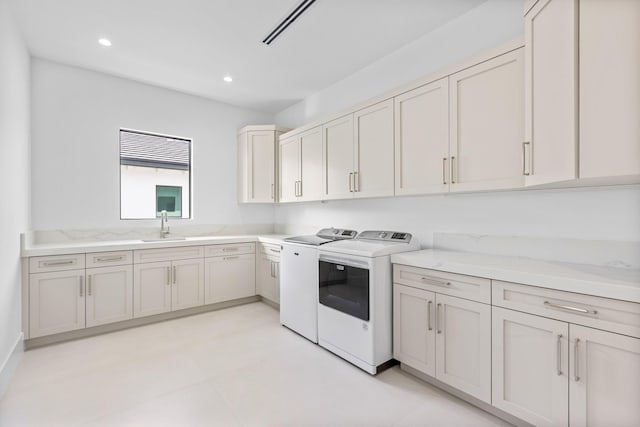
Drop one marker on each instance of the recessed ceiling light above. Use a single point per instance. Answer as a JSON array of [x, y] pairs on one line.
[[227, 79], [104, 42]]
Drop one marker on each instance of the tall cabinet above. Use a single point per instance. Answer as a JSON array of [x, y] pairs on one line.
[[257, 163]]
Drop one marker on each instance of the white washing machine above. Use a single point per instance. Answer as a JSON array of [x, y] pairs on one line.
[[355, 297], [299, 279]]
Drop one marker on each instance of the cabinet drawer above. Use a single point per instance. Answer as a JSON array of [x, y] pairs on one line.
[[104, 259], [168, 254], [457, 285], [602, 313], [269, 249], [43, 264], [230, 249]]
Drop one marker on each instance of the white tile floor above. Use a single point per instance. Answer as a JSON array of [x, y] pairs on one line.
[[234, 367]]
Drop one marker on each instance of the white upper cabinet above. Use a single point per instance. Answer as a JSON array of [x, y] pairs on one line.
[[257, 147], [609, 88], [301, 166], [551, 85], [338, 147], [373, 158], [422, 139], [486, 104]]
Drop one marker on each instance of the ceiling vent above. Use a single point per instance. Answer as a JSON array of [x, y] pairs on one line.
[[284, 24]]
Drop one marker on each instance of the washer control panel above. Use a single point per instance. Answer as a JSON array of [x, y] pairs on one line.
[[389, 236]]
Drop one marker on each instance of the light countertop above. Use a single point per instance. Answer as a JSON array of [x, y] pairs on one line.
[[65, 248], [608, 282]]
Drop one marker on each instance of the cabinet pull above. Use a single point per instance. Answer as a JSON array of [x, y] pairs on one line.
[[81, 285], [56, 263], [350, 182], [524, 158], [444, 170], [429, 326], [356, 182], [571, 309], [110, 258], [438, 321], [168, 276], [89, 285], [231, 257], [230, 249], [453, 170], [576, 355], [275, 250], [559, 354], [300, 187], [174, 274], [433, 282], [272, 270], [272, 191]]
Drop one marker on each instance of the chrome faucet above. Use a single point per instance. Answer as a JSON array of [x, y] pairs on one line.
[[164, 224]]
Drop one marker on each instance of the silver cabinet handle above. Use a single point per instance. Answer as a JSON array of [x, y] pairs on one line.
[[433, 282], [576, 355], [274, 250], [89, 285], [453, 170], [570, 308], [231, 257], [300, 187], [356, 182], [524, 158], [438, 321], [168, 276], [350, 182], [444, 170], [81, 285], [559, 354], [174, 274], [230, 249], [272, 191], [429, 326], [56, 263], [110, 258]]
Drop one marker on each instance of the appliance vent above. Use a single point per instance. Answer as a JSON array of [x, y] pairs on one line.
[[284, 24]]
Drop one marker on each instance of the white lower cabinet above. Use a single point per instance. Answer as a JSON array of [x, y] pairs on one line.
[[229, 277], [152, 288], [56, 302], [268, 272], [109, 294], [446, 337], [187, 288], [530, 367]]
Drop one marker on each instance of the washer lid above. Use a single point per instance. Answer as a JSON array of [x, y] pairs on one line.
[[373, 247], [323, 236]]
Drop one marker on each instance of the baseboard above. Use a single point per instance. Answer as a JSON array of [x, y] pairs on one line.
[[9, 365], [270, 303]]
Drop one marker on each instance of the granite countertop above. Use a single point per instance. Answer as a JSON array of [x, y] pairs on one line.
[[608, 282], [65, 248]]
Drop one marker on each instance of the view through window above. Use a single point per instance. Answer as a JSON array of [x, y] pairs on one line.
[[155, 175]]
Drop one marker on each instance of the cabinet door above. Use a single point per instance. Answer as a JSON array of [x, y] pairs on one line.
[[338, 151], [374, 150], [229, 277], [609, 88], [187, 289], [530, 367], [551, 91], [414, 328], [311, 162], [151, 288], [109, 294], [243, 169], [422, 139], [261, 160], [604, 383], [56, 302], [289, 169], [487, 124], [267, 283], [463, 345]]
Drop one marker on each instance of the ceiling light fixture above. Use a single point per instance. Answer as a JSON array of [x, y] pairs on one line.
[[284, 24], [104, 42], [227, 79]]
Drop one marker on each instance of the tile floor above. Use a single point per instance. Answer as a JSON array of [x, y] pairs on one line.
[[233, 367]]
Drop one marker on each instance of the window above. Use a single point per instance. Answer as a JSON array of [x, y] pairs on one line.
[[155, 175]]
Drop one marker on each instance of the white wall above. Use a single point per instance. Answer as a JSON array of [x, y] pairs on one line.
[[76, 117], [14, 175], [597, 213]]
